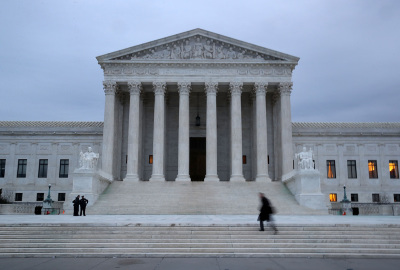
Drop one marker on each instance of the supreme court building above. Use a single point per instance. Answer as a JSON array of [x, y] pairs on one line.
[[199, 106]]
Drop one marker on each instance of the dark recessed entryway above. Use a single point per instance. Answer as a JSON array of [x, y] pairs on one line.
[[197, 168]]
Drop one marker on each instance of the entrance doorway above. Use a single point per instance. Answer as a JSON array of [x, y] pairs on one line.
[[197, 167]]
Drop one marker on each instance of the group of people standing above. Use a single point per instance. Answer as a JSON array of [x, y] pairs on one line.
[[80, 203]]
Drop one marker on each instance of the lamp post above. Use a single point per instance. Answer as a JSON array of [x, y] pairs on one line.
[[47, 203], [346, 204]]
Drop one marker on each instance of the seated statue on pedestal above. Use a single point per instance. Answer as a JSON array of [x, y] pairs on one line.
[[305, 160], [88, 160]]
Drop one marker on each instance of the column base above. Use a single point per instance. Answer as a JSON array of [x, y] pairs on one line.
[[183, 178], [157, 178], [262, 178], [132, 178], [211, 178], [237, 178]]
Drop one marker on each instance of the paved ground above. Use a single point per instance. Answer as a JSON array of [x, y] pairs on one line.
[[198, 264], [197, 220]]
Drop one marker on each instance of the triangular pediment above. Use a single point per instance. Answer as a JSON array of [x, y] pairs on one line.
[[197, 45]]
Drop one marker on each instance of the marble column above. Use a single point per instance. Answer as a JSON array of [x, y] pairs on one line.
[[107, 157], [211, 133], [236, 132], [285, 90], [158, 137], [261, 131], [132, 170], [183, 139]]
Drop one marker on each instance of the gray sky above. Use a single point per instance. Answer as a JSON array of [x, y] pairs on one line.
[[348, 69]]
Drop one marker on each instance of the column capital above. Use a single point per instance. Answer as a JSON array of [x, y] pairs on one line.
[[260, 88], [285, 88], [134, 87], [211, 88], [110, 87], [235, 88], [184, 88], [159, 88]]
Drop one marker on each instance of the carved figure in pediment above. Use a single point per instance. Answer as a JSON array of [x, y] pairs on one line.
[[176, 52], [167, 53], [231, 54], [240, 55], [220, 53], [187, 50], [208, 50], [198, 49]]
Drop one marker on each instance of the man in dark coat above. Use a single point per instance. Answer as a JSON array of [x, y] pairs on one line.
[[265, 213], [76, 205], [83, 202]]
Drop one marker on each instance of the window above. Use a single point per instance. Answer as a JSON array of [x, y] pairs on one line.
[[396, 197], [18, 197], [333, 197], [64, 166], [151, 159], [39, 197], [330, 167], [2, 168], [373, 169], [61, 197], [351, 169], [354, 197], [393, 169], [375, 198], [244, 159], [42, 168], [21, 171]]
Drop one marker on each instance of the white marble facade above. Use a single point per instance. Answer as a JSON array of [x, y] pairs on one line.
[[155, 93]]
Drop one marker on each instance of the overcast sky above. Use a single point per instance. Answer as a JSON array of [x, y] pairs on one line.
[[348, 69]]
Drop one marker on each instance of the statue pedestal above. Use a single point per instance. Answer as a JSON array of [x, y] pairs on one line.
[[306, 188], [86, 182]]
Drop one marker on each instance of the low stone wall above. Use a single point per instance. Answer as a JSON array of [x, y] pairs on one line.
[[369, 209], [25, 208]]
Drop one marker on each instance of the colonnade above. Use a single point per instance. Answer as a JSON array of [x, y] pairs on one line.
[[211, 90]]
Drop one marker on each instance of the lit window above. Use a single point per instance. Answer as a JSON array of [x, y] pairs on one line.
[[39, 197], [351, 169], [373, 169], [375, 198], [151, 159], [2, 168], [394, 169], [333, 197], [331, 169], [64, 167], [21, 171], [396, 197], [42, 173], [354, 197]]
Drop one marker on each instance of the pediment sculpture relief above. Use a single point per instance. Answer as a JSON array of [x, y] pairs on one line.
[[197, 48]]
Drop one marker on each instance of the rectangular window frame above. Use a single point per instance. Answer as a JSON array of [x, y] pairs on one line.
[[330, 169], [333, 197], [354, 197], [21, 170], [396, 198], [376, 198], [64, 168], [373, 169], [18, 197], [351, 169], [42, 171], [61, 197], [394, 169], [39, 197], [2, 168]]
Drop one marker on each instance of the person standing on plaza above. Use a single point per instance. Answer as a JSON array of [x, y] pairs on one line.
[[83, 202], [266, 211], [76, 205]]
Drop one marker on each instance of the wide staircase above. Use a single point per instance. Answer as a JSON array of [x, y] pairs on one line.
[[95, 240], [195, 198]]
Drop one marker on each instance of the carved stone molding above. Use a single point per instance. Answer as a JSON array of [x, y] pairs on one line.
[[134, 87], [285, 88], [211, 88], [159, 88], [184, 88], [235, 88], [110, 87]]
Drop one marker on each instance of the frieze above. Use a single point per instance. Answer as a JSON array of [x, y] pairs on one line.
[[198, 48], [65, 149], [43, 149], [4, 148], [23, 148]]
